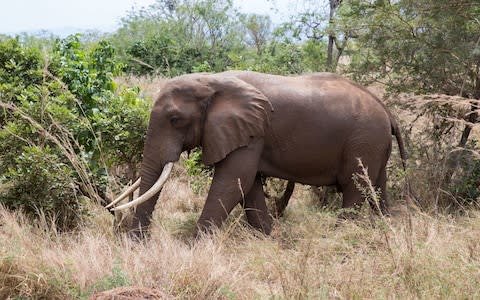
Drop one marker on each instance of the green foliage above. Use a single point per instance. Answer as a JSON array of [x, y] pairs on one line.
[[194, 162], [422, 46], [121, 126], [38, 179], [20, 70], [117, 278], [314, 55], [200, 174], [173, 38], [87, 73], [43, 182], [278, 58], [64, 122], [466, 186], [258, 28]]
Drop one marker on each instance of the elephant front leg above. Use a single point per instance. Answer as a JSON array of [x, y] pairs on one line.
[[233, 179], [256, 208]]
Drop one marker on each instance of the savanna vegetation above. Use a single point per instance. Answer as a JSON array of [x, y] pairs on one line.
[[74, 112]]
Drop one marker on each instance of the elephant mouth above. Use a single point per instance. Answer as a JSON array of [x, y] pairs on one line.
[[146, 196]]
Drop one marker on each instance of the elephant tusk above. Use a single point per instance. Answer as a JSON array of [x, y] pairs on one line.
[[152, 191], [127, 192]]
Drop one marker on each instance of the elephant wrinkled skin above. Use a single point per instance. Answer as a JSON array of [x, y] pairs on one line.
[[309, 129]]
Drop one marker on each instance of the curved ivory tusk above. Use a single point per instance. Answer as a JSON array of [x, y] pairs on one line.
[[127, 192], [152, 191]]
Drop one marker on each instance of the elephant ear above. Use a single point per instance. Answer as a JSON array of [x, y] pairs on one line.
[[236, 112]]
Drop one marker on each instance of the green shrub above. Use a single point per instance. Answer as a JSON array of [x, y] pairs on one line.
[[64, 121], [200, 175], [43, 184], [466, 184]]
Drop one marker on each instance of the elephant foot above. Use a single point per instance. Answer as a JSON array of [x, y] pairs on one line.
[[262, 224]]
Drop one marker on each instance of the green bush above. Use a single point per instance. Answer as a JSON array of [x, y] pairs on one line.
[[43, 184], [466, 184], [173, 38], [64, 121], [200, 175]]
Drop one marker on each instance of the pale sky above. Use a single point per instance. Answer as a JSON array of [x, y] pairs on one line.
[[55, 15]]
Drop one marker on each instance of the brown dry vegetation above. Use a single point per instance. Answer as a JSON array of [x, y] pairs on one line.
[[310, 254]]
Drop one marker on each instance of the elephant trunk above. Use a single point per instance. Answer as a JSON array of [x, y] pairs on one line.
[[144, 211], [158, 158]]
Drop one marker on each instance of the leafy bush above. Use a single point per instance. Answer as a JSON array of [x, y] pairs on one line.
[[200, 175], [43, 184], [64, 122], [466, 184], [173, 38]]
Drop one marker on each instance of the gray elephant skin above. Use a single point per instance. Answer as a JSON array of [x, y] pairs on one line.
[[309, 129]]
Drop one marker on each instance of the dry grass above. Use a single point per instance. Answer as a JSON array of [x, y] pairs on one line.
[[309, 255]]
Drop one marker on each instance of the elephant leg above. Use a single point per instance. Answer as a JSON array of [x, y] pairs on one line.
[[381, 185], [232, 180], [281, 204], [256, 208], [321, 193], [352, 196]]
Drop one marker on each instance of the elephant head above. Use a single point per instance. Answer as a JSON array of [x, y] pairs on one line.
[[218, 113]]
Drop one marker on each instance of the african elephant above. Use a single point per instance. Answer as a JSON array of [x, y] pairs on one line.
[[309, 129]]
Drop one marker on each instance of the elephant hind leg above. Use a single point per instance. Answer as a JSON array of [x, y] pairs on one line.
[[352, 194], [381, 185], [352, 188], [256, 209], [352, 199], [281, 204]]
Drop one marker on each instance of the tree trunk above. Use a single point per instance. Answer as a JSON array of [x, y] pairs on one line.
[[334, 4], [330, 52], [143, 212]]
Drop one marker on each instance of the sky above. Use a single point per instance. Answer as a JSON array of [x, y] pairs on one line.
[[18, 16]]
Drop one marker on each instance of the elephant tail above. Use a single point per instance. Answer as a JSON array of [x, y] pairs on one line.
[[403, 155], [398, 136]]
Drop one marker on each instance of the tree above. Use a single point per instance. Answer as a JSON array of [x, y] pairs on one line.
[[317, 22], [334, 5], [258, 29], [177, 37]]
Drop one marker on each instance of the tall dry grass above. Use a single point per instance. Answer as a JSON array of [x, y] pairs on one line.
[[309, 255]]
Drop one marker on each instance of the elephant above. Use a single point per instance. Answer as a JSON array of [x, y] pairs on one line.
[[310, 129]]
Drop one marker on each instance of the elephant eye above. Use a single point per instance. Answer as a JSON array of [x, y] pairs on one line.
[[174, 121]]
